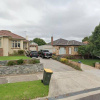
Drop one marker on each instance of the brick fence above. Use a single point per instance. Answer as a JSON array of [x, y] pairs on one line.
[[97, 65], [1, 51], [75, 63]]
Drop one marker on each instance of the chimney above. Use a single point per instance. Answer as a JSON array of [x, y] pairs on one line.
[[26, 37], [52, 40]]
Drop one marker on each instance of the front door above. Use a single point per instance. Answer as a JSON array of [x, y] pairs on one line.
[[70, 51]]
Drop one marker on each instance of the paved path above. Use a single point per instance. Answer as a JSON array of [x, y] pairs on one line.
[[21, 78], [90, 69]]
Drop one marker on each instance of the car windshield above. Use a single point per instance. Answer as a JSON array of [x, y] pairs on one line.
[[45, 51], [33, 51]]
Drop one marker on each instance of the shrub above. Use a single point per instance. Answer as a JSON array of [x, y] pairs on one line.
[[11, 63], [34, 61], [54, 57], [15, 53], [20, 62], [21, 52], [58, 58], [70, 57], [63, 60]]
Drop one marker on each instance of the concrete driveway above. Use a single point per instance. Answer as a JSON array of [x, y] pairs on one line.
[[67, 82], [55, 66]]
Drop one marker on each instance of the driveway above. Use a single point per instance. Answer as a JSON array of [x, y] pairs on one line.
[[67, 82], [55, 66]]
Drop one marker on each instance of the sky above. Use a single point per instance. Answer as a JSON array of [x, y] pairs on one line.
[[67, 19]]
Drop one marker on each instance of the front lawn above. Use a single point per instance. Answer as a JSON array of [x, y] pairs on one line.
[[13, 57], [90, 62], [23, 90]]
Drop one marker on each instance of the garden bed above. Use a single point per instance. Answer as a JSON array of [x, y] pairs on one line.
[[14, 67], [71, 63]]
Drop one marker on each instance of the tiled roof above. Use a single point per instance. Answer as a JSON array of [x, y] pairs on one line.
[[85, 42], [8, 33], [63, 42], [33, 43]]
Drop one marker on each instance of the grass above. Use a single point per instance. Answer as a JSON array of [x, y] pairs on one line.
[[90, 62], [23, 90], [13, 58]]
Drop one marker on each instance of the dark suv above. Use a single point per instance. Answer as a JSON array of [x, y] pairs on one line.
[[45, 54], [33, 54]]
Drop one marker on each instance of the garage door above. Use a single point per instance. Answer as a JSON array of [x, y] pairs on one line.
[[33, 48], [62, 50]]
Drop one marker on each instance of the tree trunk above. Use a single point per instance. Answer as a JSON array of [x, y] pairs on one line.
[[88, 56], [82, 57]]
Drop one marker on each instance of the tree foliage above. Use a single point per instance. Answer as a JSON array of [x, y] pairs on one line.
[[95, 41], [93, 48], [39, 41], [82, 50], [85, 39]]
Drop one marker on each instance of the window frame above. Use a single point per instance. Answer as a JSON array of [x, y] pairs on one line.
[[15, 44], [75, 49]]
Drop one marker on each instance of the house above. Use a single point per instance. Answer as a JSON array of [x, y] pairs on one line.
[[10, 42], [33, 46], [63, 47], [86, 42]]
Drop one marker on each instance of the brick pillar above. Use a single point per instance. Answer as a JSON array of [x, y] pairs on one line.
[[1, 51]]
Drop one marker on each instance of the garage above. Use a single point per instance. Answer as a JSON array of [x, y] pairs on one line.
[[62, 50], [33, 48]]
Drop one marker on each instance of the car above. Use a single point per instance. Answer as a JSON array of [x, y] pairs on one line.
[[33, 54], [45, 54]]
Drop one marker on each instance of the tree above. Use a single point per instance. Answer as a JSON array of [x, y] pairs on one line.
[[82, 50], [39, 41], [95, 41], [85, 39]]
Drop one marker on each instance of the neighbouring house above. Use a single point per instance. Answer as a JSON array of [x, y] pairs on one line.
[[86, 42], [62, 46], [33, 46], [10, 42]]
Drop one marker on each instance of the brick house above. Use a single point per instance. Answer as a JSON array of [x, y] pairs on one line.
[[10, 42], [65, 47]]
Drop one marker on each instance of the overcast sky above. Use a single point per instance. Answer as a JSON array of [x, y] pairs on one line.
[[68, 19]]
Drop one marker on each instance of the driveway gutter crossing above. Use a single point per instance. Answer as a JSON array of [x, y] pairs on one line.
[[74, 94]]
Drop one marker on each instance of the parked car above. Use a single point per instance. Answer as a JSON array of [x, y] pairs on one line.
[[45, 54], [33, 54]]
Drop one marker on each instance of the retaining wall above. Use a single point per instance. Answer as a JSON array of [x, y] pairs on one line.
[[75, 63], [21, 69]]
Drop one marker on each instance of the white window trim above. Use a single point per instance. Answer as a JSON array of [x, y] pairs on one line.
[[13, 44], [75, 49]]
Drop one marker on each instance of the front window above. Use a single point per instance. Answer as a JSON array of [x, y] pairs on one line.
[[15, 44], [75, 49], [0, 42]]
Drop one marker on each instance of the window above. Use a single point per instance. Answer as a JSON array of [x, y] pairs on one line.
[[0, 42], [15, 44], [75, 49]]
